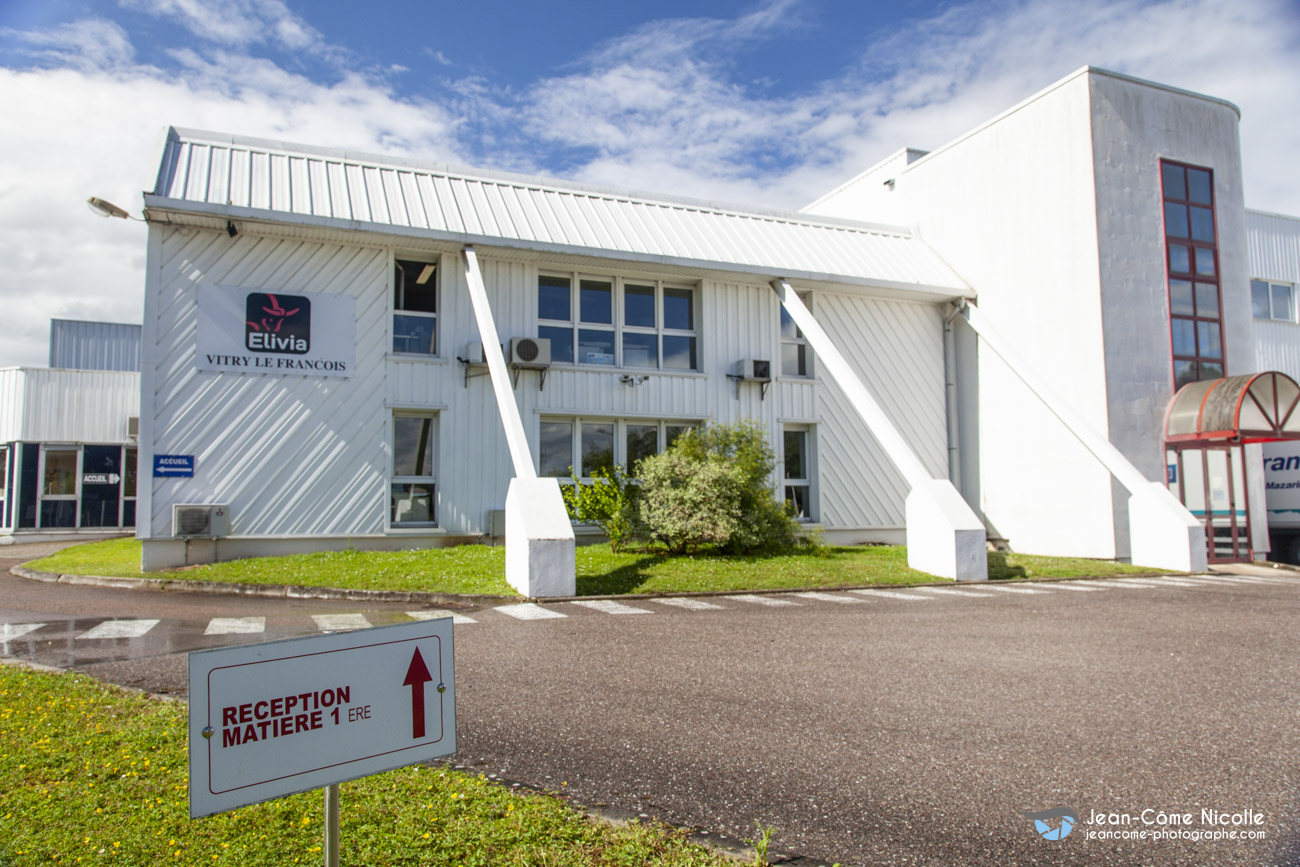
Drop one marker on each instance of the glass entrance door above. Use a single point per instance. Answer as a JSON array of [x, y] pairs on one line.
[[1211, 483]]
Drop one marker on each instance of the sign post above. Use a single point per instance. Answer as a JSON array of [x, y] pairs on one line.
[[273, 719]]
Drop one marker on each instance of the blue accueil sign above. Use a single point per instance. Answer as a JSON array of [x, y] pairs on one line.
[[173, 466]]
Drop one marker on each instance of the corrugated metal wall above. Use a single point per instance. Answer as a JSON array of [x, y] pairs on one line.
[[67, 406], [309, 456], [1274, 246], [76, 345]]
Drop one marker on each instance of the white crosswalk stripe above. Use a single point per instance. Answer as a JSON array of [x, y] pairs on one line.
[[10, 631], [235, 626], [1118, 582], [1170, 582], [894, 594], [119, 629], [609, 606], [529, 611], [340, 622], [1074, 585], [1009, 589], [763, 599], [458, 619], [953, 591], [829, 597], [688, 603], [1252, 579]]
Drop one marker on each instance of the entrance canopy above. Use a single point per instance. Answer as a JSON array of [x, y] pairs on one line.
[[1257, 407]]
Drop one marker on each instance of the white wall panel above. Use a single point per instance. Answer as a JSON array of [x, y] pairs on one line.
[[1273, 246]]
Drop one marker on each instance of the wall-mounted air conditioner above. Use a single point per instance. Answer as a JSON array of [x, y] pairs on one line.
[[474, 353], [133, 427], [532, 353], [200, 521], [754, 370]]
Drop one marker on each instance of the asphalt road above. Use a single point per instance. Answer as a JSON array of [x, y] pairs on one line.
[[886, 730]]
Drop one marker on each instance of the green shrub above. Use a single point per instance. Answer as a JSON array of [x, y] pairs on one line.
[[609, 501], [713, 487]]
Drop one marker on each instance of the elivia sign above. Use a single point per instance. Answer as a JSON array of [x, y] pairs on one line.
[[272, 719], [258, 331]]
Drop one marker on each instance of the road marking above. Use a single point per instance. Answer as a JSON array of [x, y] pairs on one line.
[[1074, 585], [1214, 582], [340, 622], [1006, 589], [10, 631], [528, 611], [893, 594], [689, 604], [235, 625], [829, 597], [953, 591], [609, 606], [459, 619], [763, 600], [1118, 582], [1170, 582], [120, 629], [1252, 579]]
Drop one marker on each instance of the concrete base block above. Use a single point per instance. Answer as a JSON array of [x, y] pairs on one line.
[[944, 537], [540, 558], [1162, 533]]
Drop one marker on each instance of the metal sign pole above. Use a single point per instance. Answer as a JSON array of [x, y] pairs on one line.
[[332, 825]]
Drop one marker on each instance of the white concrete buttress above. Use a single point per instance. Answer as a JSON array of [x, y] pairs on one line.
[[944, 536], [1163, 533], [540, 548]]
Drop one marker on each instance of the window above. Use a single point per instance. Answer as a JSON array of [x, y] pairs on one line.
[[415, 307], [587, 445], [794, 348], [1192, 253], [1272, 300], [617, 323], [130, 461], [796, 464], [59, 487], [412, 500]]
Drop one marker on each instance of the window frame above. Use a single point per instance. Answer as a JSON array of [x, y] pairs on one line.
[[809, 480], [1270, 286], [620, 425], [395, 312], [1204, 329], [618, 326], [799, 339], [429, 479], [74, 497]]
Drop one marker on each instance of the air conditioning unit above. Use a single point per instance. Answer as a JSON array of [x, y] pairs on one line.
[[533, 353], [200, 521], [474, 353], [754, 370], [133, 427]]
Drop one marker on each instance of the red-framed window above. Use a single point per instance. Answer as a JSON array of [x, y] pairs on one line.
[[1192, 268]]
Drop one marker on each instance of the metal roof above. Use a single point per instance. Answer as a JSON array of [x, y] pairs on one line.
[[219, 174]]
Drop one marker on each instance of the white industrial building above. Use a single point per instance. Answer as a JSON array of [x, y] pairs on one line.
[[979, 340], [68, 453]]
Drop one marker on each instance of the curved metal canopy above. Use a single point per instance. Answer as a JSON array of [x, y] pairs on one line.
[[1257, 407]]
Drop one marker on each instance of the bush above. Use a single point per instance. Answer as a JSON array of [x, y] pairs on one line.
[[713, 487], [609, 501]]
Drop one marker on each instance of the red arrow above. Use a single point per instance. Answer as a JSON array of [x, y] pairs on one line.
[[417, 675]]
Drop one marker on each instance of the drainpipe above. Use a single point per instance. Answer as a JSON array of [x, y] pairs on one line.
[[950, 392]]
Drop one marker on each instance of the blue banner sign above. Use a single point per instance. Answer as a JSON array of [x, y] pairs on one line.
[[173, 466]]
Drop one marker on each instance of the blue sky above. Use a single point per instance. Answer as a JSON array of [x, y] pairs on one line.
[[768, 102]]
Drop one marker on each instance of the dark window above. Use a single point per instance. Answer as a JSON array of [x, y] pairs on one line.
[[1192, 251], [415, 307]]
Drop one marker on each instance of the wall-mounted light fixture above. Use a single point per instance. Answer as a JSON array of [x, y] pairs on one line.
[[230, 229], [108, 209], [632, 381]]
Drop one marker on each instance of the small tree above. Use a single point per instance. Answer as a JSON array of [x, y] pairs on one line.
[[609, 501], [713, 487]]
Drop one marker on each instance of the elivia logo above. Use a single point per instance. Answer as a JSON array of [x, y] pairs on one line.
[[277, 323], [1069, 818]]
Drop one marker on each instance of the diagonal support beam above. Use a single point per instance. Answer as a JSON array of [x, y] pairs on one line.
[[944, 537]]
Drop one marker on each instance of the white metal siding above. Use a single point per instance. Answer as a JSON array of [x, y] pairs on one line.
[[76, 345], [67, 406], [1273, 246], [301, 182]]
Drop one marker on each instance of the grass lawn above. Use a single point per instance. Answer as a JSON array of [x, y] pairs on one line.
[[481, 570], [91, 774]]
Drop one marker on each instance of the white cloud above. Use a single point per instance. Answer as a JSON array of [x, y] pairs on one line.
[[92, 43], [236, 23]]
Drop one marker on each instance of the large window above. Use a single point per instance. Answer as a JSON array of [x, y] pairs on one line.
[[645, 324], [797, 471], [1272, 300], [415, 307], [794, 348], [59, 487], [1192, 259], [580, 446], [412, 495]]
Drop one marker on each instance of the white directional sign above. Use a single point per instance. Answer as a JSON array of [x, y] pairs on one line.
[[268, 720]]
